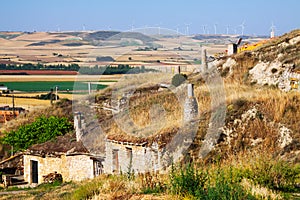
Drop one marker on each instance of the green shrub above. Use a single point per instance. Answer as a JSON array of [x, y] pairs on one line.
[[86, 191], [41, 130], [188, 180], [199, 184], [226, 186], [274, 174], [178, 79]]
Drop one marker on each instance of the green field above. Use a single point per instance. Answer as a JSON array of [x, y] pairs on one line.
[[42, 86]]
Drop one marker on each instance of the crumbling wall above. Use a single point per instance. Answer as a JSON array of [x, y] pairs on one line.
[[144, 159]]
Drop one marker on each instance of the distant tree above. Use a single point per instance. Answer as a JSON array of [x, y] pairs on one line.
[[178, 79]]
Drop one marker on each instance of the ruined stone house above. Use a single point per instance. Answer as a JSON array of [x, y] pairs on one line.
[[127, 154], [65, 156]]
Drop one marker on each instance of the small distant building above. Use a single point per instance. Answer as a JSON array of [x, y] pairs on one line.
[[3, 88], [232, 49], [8, 113], [65, 156]]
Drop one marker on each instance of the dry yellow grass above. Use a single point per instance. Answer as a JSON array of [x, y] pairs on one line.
[[33, 104]]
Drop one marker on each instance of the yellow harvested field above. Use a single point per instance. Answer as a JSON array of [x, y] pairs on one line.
[[32, 104], [28, 104]]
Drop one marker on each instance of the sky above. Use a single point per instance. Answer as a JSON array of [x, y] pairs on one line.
[[257, 16]]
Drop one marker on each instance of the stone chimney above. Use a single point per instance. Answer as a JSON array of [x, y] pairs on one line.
[[203, 59], [79, 125], [190, 105]]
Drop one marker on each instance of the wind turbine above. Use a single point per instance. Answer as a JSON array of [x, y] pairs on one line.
[[242, 25], [215, 27], [58, 28], [159, 26], [177, 29], [204, 29], [187, 28], [132, 26], [227, 29], [272, 30], [83, 27]]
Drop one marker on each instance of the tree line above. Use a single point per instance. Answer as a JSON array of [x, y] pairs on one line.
[[109, 70], [30, 66], [96, 70]]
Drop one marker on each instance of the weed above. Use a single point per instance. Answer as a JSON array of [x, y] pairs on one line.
[[188, 180]]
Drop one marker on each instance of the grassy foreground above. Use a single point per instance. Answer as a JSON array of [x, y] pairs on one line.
[[246, 176]]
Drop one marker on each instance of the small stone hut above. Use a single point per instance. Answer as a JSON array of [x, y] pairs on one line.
[[65, 156]]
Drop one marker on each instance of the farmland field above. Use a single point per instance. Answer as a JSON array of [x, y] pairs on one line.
[[39, 86]]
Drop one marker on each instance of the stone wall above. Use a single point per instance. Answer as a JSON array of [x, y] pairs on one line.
[[143, 158], [76, 168]]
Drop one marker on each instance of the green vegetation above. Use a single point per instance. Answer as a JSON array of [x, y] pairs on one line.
[[104, 59], [9, 36], [35, 86], [41, 130], [96, 70], [178, 79], [225, 179], [109, 70], [29, 66], [273, 174], [187, 180], [199, 183]]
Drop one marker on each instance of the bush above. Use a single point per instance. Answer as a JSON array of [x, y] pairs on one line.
[[178, 79], [226, 186], [188, 180], [199, 184], [41, 130], [274, 174], [86, 191]]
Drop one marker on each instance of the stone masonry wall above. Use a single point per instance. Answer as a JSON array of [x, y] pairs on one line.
[[144, 159], [76, 168]]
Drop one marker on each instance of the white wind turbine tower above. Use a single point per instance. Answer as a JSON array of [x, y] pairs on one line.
[[159, 27], [242, 27], [227, 29], [177, 29], [272, 30], [83, 27], [215, 27], [204, 29], [132, 26], [187, 28]]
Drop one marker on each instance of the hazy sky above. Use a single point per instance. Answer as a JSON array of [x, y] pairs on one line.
[[65, 15]]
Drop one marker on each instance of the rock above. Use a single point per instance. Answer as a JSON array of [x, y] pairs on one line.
[[52, 177], [229, 64], [285, 136]]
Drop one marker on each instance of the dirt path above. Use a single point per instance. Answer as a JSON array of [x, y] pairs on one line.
[[12, 192]]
